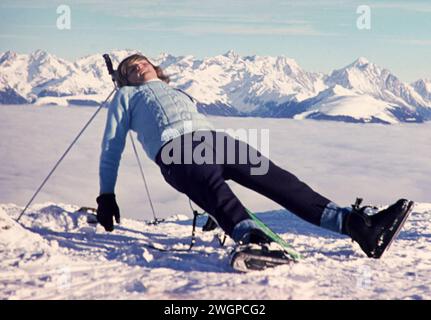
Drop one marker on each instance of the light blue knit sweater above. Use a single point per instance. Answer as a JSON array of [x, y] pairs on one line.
[[156, 112]]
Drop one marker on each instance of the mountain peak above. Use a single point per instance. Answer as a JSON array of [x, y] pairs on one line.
[[8, 55], [39, 54], [360, 62], [166, 56], [423, 87], [231, 54], [163, 55], [422, 81]]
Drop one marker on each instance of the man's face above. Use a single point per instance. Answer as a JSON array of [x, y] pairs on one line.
[[140, 71]]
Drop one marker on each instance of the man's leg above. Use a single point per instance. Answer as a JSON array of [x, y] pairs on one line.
[[278, 185], [204, 184]]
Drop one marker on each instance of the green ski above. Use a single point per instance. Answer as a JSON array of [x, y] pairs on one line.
[[286, 246]]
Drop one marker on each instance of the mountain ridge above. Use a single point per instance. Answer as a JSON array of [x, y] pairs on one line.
[[228, 84]]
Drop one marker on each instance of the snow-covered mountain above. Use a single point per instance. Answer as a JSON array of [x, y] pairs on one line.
[[339, 103], [30, 75], [49, 79], [245, 82], [365, 78], [228, 84]]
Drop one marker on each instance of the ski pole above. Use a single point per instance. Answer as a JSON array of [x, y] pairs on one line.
[[156, 220], [64, 154]]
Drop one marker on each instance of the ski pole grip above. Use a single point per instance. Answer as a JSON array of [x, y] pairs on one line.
[[108, 63]]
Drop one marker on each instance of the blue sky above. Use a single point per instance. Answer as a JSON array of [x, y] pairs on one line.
[[319, 35]]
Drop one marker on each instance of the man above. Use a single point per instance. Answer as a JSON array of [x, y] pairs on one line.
[[166, 121]]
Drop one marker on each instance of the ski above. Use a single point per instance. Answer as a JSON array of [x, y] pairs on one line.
[[288, 249], [250, 257], [257, 257]]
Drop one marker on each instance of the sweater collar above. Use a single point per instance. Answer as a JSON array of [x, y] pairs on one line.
[[153, 80]]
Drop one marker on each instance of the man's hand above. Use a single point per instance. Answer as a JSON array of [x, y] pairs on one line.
[[106, 210]]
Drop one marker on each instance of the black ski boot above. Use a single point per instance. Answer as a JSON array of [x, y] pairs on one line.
[[256, 251], [375, 233]]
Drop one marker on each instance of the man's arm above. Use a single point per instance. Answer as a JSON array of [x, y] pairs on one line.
[[114, 140]]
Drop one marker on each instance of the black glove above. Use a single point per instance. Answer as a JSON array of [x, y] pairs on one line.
[[107, 208]]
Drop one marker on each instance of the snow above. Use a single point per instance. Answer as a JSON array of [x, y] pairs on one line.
[[365, 77], [55, 253], [251, 85], [58, 255], [338, 101], [423, 88], [247, 82]]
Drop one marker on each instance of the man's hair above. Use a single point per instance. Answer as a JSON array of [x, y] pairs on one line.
[[127, 62]]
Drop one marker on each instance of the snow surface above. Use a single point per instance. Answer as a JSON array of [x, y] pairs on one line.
[[338, 101], [55, 253]]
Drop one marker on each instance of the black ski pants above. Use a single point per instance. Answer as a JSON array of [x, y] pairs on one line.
[[205, 183]]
